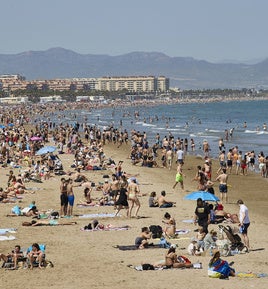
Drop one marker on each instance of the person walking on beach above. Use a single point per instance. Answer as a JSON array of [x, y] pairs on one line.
[[133, 192], [179, 176], [222, 178], [244, 221]]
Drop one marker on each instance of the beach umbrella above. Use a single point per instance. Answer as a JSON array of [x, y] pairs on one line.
[[45, 150], [35, 138], [205, 196], [2, 126], [11, 124]]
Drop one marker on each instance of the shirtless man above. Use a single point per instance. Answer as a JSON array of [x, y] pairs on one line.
[[230, 160], [206, 148], [70, 196], [179, 176], [114, 187], [106, 188], [222, 161], [222, 178], [163, 203], [14, 256], [63, 197]]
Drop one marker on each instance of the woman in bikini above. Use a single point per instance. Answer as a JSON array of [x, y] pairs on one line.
[[133, 192], [170, 228]]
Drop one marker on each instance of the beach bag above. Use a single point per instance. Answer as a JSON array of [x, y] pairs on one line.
[[183, 259], [156, 230], [147, 267]]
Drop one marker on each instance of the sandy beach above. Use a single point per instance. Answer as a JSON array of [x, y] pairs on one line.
[[89, 259]]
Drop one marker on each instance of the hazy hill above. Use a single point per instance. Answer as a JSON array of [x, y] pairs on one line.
[[184, 72]]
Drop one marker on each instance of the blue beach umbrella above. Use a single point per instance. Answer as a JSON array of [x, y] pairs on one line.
[[2, 126], [11, 124], [45, 150], [205, 196]]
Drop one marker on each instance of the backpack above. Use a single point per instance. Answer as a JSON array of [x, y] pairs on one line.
[[156, 230]]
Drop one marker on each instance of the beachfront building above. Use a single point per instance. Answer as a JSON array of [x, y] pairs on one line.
[[133, 84], [149, 84]]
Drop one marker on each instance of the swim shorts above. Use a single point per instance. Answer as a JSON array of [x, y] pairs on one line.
[[179, 178], [223, 188]]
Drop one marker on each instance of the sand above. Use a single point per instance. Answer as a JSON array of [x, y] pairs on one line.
[[89, 260]]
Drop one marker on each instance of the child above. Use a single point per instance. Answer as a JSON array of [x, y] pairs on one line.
[[200, 238]]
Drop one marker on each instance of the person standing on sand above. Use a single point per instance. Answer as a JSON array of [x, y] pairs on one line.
[[63, 197], [222, 178], [244, 221], [70, 196], [202, 215]]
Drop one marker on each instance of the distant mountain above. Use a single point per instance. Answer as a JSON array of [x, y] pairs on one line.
[[184, 72]]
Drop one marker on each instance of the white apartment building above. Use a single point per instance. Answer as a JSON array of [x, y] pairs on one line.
[[146, 84]]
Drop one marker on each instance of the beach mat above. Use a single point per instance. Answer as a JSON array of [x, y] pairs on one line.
[[133, 247], [5, 238], [250, 275], [96, 216], [188, 221]]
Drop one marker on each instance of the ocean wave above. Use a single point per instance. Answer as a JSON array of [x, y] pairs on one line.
[[148, 124], [212, 130], [250, 131]]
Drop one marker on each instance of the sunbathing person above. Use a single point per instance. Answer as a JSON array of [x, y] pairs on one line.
[[35, 255], [51, 222], [4, 198], [172, 260], [27, 211], [170, 228], [15, 256]]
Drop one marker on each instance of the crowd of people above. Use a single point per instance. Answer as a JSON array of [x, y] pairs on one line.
[[19, 149]]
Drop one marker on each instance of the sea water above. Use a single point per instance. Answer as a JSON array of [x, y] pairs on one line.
[[200, 121]]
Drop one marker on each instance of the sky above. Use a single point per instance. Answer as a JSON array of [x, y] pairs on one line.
[[212, 30]]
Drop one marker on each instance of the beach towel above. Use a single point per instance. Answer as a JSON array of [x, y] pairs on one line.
[[93, 205], [7, 238], [133, 247], [251, 275], [188, 221], [96, 216], [107, 228], [7, 230]]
